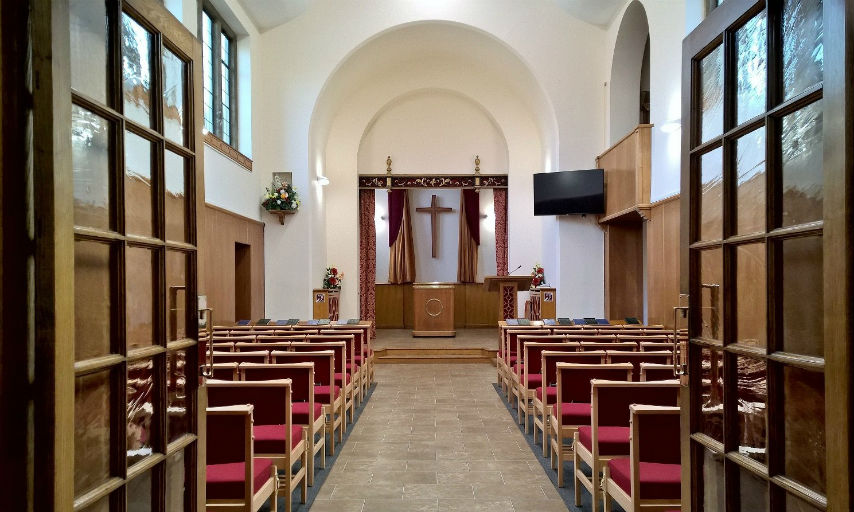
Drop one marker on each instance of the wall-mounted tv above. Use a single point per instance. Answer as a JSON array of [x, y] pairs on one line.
[[569, 192]]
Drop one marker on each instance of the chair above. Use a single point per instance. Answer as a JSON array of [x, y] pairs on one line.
[[225, 371], [358, 360], [636, 358], [325, 390], [572, 406], [305, 411], [650, 478], [351, 338], [546, 394], [654, 371], [219, 346], [511, 357], [628, 346], [343, 378], [234, 478], [606, 436], [258, 356], [652, 346], [531, 374], [518, 367], [275, 436], [261, 346]]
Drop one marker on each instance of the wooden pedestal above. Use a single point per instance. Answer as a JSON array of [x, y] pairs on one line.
[[325, 304], [433, 309]]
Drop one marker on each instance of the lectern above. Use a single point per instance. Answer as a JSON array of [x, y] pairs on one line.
[[507, 286], [433, 309]]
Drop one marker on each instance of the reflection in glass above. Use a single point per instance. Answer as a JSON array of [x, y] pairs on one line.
[[136, 71], [711, 292], [803, 45], [795, 504], [138, 186], [89, 48], [711, 195], [712, 95], [139, 493], [803, 296], [91, 431], [176, 197], [803, 393], [102, 505], [139, 281], [207, 63], [750, 182], [752, 377], [750, 294], [712, 397], [175, 482], [714, 493], [90, 167], [803, 165], [177, 423], [176, 295], [753, 492], [173, 96], [140, 409], [225, 76], [92, 299], [751, 50]]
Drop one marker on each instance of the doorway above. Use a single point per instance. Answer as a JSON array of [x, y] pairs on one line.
[[242, 281]]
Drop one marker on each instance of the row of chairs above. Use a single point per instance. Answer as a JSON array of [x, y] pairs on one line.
[[298, 392]]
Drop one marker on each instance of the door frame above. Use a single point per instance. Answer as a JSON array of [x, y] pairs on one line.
[[838, 233]]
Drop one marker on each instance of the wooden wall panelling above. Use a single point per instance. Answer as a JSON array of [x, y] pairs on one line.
[[627, 172], [389, 299], [222, 230], [623, 270], [408, 301], [460, 305], [474, 306], [481, 306], [663, 262]]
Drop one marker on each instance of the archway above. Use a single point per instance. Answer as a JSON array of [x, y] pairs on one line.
[[631, 57]]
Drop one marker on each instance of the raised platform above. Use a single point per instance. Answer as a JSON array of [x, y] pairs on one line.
[[469, 346]]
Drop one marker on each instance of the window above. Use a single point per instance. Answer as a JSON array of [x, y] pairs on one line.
[[219, 77]]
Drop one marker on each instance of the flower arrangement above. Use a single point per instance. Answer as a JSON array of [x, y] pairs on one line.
[[333, 278], [538, 276], [281, 196]]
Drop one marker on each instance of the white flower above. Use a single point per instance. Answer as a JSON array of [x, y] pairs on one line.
[[278, 201], [293, 205]]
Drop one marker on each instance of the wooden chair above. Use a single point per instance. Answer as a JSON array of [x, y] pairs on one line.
[[518, 368], [636, 358], [219, 346], [511, 356], [304, 411], [655, 346], [343, 378], [616, 345], [351, 367], [572, 407], [258, 356], [546, 395], [235, 480], [651, 477], [606, 436], [531, 374], [275, 436], [259, 346], [225, 371], [325, 390], [358, 360], [591, 338], [654, 371]]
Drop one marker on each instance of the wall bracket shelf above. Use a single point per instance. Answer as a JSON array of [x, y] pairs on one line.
[[281, 214]]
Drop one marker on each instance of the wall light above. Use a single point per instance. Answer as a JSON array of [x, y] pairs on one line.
[[322, 181], [674, 125]]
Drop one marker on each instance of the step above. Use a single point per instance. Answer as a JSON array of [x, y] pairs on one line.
[[433, 355]]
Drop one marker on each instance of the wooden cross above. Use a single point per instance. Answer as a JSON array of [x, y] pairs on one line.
[[434, 210]]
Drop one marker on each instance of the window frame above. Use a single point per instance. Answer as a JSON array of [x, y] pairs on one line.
[[219, 26]]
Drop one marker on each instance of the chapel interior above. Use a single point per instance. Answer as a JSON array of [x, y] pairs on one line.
[[427, 255]]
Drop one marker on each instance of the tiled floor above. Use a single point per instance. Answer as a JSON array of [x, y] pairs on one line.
[[436, 437], [466, 338]]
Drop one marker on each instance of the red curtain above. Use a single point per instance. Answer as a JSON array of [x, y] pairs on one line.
[[500, 230], [367, 259], [469, 237]]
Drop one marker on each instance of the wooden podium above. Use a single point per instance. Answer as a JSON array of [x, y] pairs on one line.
[[433, 309], [325, 304], [507, 286]]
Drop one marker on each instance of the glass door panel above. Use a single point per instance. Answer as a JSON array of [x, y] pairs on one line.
[[712, 94]]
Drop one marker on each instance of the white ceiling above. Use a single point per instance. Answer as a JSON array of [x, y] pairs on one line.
[[267, 14]]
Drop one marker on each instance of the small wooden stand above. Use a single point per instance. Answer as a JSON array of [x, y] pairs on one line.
[[325, 304], [433, 309], [281, 214], [543, 303]]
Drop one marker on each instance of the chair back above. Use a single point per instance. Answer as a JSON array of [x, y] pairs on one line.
[[611, 400], [225, 371], [271, 399], [258, 356], [533, 361], [653, 346], [551, 358], [654, 371], [229, 434], [655, 434], [324, 364], [573, 380], [301, 376], [255, 347], [592, 337], [219, 346], [338, 347], [616, 345], [636, 358], [279, 338]]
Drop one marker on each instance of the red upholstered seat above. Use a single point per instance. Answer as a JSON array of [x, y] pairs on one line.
[[612, 440], [574, 413], [551, 394], [321, 394], [225, 481], [357, 359], [657, 481], [299, 412], [350, 366], [338, 378], [534, 379], [512, 358], [272, 438]]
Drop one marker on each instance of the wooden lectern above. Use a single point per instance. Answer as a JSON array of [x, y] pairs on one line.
[[433, 309], [507, 286]]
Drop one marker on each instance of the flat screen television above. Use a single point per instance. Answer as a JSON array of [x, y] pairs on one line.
[[569, 192]]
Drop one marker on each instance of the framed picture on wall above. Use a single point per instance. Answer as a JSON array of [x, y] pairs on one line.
[[286, 177]]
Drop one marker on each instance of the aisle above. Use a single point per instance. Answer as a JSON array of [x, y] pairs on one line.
[[436, 437]]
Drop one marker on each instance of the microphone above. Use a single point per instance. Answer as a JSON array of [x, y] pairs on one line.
[[514, 270]]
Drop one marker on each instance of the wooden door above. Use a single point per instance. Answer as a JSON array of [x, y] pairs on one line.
[[766, 180], [135, 158]]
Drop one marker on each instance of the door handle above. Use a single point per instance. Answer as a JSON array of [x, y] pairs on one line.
[[207, 368], [680, 352]]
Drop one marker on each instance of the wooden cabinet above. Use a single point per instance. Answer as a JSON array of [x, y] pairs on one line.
[[433, 309]]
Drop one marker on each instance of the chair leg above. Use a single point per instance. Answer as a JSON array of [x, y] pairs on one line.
[[559, 460], [323, 451], [594, 495], [576, 482], [274, 498], [546, 431], [288, 481], [309, 448], [304, 494]]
